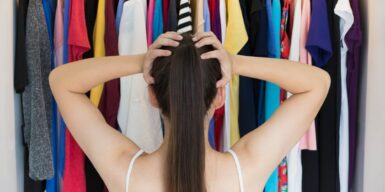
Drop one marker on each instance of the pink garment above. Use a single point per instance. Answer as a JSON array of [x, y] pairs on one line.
[[58, 43], [74, 179], [308, 141], [150, 18], [59, 36], [78, 42]]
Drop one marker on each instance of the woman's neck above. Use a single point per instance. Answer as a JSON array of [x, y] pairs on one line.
[[162, 151]]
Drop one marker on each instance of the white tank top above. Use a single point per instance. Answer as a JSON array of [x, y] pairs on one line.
[[233, 154]]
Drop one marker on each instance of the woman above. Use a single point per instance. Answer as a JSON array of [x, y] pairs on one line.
[[186, 77]]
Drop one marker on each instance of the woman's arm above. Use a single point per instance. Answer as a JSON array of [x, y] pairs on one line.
[[262, 149], [266, 146], [108, 150]]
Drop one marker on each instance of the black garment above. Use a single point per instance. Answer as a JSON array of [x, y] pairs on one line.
[[327, 120], [29, 184], [251, 101], [90, 14], [91, 7], [20, 73], [172, 18], [94, 182], [310, 171]]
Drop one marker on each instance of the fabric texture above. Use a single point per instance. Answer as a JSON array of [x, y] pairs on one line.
[[74, 175], [99, 46], [36, 99], [308, 141], [49, 13], [318, 43], [294, 163], [344, 11], [272, 91], [20, 72], [236, 37], [353, 41], [157, 25], [184, 18], [134, 108]]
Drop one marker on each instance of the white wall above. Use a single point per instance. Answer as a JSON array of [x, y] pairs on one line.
[[11, 159], [371, 147]]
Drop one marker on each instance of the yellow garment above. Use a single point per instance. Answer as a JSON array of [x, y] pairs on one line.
[[236, 38], [197, 15], [99, 47]]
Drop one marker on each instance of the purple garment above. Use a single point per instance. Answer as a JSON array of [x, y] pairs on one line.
[[319, 42], [353, 41], [216, 24]]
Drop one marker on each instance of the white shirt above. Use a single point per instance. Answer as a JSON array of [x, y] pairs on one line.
[[226, 120], [344, 11], [294, 162], [136, 117]]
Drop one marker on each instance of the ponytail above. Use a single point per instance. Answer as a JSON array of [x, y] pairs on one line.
[[185, 86]]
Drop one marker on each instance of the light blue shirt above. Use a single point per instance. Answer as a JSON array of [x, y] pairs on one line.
[[272, 98]]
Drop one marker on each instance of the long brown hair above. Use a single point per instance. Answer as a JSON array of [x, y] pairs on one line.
[[185, 86]]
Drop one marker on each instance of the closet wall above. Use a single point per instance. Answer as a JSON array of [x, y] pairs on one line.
[[371, 149], [11, 151]]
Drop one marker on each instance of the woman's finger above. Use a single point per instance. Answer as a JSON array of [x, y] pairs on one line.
[[161, 41], [211, 40], [216, 54], [199, 35], [154, 53], [172, 35]]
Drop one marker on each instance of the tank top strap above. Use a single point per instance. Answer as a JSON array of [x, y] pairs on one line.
[[239, 170], [130, 166]]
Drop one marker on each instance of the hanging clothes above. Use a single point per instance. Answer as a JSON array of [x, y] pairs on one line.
[[135, 111], [207, 27], [236, 37], [225, 141], [157, 25], [166, 4], [20, 82], [49, 12], [20, 71], [215, 22], [109, 103], [119, 11], [344, 11], [285, 50], [353, 41], [327, 120], [36, 99], [172, 16], [94, 182], [197, 8], [249, 87], [99, 49], [74, 176], [294, 164], [150, 18], [272, 91], [184, 19]]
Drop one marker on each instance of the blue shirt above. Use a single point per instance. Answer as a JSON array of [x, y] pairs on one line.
[[206, 16], [119, 12], [272, 97], [157, 23], [319, 43]]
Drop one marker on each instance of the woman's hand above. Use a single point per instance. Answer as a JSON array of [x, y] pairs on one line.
[[224, 58], [154, 51]]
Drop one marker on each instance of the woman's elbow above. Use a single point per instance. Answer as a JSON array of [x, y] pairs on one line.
[[324, 81], [54, 79]]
